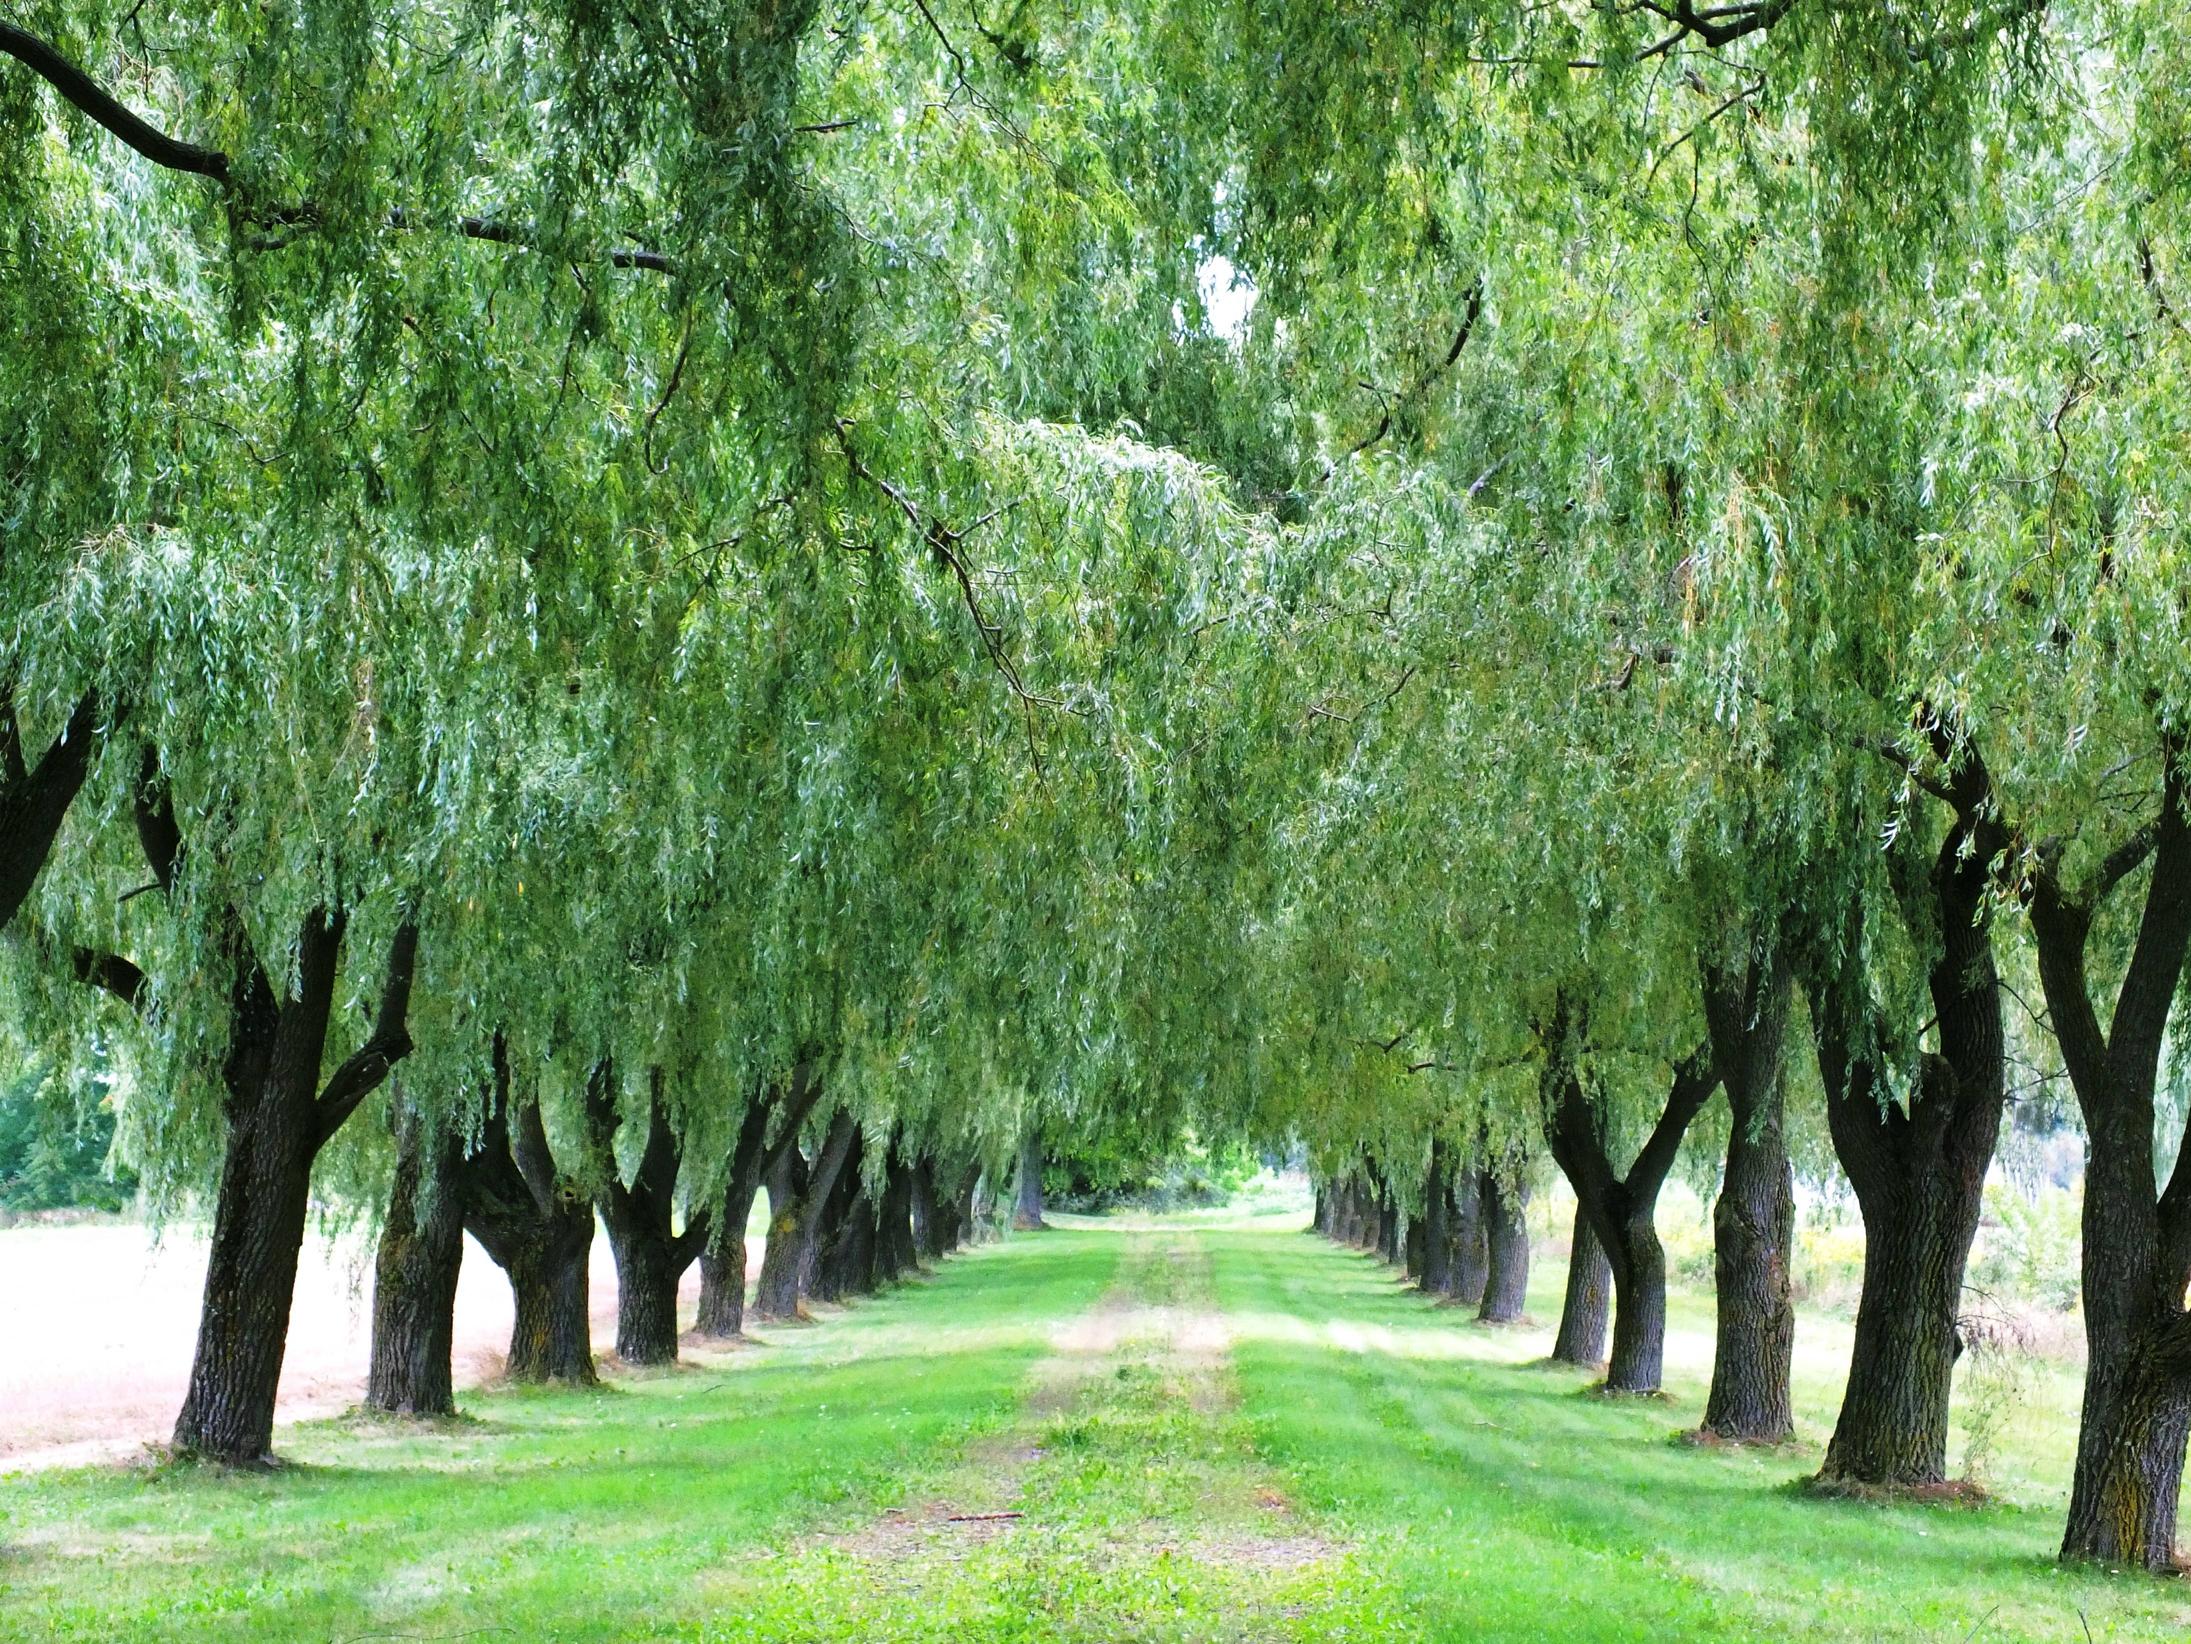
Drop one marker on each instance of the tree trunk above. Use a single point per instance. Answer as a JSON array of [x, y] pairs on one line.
[[895, 1251], [1581, 1339], [1753, 1221], [1320, 1219], [551, 1339], [1506, 1229], [1622, 1210], [1411, 1250], [1469, 1267], [640, 1216], [1028, 1216], [1388, 1224], [415, 1273], [278, 1119], [928, 1231], [1437, 1250], [798, 1196], [538, 1228], [754, 1156]]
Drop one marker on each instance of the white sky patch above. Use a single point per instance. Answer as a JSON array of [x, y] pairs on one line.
[[1228, 296]]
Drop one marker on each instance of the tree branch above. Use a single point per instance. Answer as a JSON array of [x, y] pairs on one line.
[[390, 1042]]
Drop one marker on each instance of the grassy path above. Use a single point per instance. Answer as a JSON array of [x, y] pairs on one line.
[[1163, 1433]]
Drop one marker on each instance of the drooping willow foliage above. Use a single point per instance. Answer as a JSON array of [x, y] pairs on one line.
[[769, 534]]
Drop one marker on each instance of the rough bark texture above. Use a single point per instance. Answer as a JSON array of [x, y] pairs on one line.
[[651, 1256], [1918, 1170], [1470, 1264], [415, 1273], [278, 1118], [1589, 1301], [798, 1195], [34, 799], [776, 1110], [2137, 1236], [538, 1228], [1506, 1237], [1027, 1215], [1753, 1220], [1622, 1209]]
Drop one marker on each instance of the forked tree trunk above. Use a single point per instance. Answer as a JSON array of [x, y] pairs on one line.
[[1027, 1217], [1622, 1209], [538, 1228], [415, 1273], [278, 1118], [1506, 1230], [1589, 1301], [1753, 1221], [798, 1196], [651, 1257], [753, 1157], [2137, 1235]]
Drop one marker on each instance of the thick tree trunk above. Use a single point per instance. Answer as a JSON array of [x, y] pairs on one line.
[[1320, 1218], [35, 799], [1753, 1220], [1411, 1249], [415, 1273], [640, 1215], [551, 1339], [895, 1252], [1918, 1169], [722, 1312], [1638, 1360], [1506, 1229], [928, 1230], [798, 1197], [1469, 1270], [278, 1119], [1027, 1217], [538, 1228], [1583, 1315], [1388, 1224], [846, 1263]]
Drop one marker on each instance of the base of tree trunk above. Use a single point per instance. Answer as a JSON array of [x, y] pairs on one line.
[[415, 1275]]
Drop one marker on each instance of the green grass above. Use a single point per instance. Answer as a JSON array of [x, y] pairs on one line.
[[1160, 1430]]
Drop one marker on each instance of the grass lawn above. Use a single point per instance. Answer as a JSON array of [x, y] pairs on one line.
[[1158, 1430]]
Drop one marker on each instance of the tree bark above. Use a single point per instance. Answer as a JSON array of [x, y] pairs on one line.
[[538, 1228], [1622, 1209], [797, 1198], [928, 1245], [754, 1156], [415, 1273], [1583, 1315], [1436, 1272], [278, 1118], [1027, 1217], [1753, 1221], [651, 1257], [35, 799], [1469, 1266], [2137, 1236], [1388, 1223], [895, 1251], [1506, 1238]]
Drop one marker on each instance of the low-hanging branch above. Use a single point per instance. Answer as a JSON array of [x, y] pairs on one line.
[[90, 98]]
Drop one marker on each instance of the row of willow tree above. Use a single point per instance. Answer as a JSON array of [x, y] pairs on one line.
[[821, 586]]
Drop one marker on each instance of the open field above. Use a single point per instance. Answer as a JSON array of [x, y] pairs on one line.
[[1162, 1429]]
